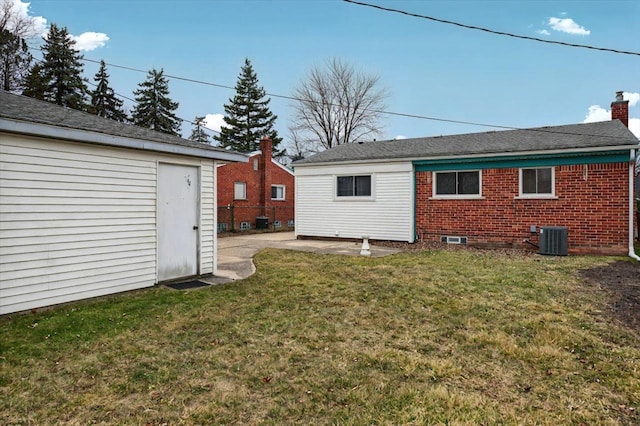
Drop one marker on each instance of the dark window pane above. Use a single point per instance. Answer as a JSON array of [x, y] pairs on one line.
[[345, 186], [445, 183], [529, 181], [544, 181], [363, 186], [469, 183], [274, 192]]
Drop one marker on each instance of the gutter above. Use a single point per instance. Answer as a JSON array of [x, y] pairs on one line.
[[632, 162]]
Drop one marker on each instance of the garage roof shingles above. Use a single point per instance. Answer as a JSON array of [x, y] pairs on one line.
[[22, 108]]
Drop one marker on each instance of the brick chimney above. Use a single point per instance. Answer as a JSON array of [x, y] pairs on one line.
[[265, 174], [266, 146], [620, 109]]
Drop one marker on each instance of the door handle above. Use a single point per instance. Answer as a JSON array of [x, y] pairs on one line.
[[195, 227]]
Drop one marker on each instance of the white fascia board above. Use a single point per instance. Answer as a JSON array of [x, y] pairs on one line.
[[77, 135]]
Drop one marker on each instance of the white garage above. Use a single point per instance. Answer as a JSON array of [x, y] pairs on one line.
[[90, 206]]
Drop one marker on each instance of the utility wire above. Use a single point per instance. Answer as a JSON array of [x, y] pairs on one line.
[[397, 114], [502, 33], [126, 97]]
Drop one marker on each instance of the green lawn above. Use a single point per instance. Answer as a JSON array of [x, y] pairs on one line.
[[432, 337]]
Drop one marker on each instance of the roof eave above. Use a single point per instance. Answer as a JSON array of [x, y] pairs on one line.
[[85, 136], [453, 157]]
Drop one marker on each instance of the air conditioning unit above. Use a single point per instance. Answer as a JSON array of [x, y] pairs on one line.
[[554, 240]]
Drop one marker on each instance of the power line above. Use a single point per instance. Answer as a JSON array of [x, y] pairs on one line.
[[502, 33], [126, 97], [397, 114]]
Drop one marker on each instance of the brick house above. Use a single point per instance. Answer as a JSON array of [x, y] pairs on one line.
[[259, 193], [496, 189]]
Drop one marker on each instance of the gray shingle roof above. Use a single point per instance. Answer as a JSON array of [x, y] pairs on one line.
[[25, 109], [604, 134]]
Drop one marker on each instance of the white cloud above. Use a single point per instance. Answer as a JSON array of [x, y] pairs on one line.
[[634, 126], [214, 122], [90, 41], [20, 12], [567, 25], [597, 113], [543, 32], [399, 137], [632, 97]]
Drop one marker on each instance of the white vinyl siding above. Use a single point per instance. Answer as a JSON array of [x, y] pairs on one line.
[[79, 220], [207, 220], [386, 215]]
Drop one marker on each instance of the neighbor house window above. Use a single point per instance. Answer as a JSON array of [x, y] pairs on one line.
[[240, 191], [537, 182], [277, 192], [354, 186], [467, 183]]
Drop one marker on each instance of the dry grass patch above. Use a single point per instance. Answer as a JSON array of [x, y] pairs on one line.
[[416, 338]]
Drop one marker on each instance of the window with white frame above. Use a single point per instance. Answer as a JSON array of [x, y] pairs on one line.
[[277, 192], [354, 186], [240, 191], [277, 224], [537, 182], [457, 184], [245, 226]]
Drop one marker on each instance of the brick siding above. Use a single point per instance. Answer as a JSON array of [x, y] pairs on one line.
[[592, 202], [258, 186]]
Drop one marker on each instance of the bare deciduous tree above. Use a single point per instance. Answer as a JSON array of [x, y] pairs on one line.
[[15, 27], [336, 104], [17, 21]]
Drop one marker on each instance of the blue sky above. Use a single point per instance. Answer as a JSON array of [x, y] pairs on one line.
[[428, 68]]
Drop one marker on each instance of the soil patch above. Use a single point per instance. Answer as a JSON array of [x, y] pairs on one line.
[[621, 280]]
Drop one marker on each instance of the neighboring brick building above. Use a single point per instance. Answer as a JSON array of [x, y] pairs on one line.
[[510, 188], [259, 193]]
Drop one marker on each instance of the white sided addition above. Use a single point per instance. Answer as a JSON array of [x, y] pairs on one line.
[[79, 204], [384, 212]]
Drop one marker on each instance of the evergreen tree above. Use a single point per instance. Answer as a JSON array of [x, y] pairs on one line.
[[103, 100], [198, 134], [61, 70], [35, 84], [15, 60], [248, 116], [154, 109]]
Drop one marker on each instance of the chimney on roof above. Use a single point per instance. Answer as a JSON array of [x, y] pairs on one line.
[[266, 147], [620, 109]]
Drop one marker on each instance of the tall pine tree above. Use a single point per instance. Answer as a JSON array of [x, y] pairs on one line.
[[198, 134], [35, 84], [59, 78], [154, 109], [247, 116], [103, 100]]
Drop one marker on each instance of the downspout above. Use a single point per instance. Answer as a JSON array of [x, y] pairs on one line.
[[632, 163]]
